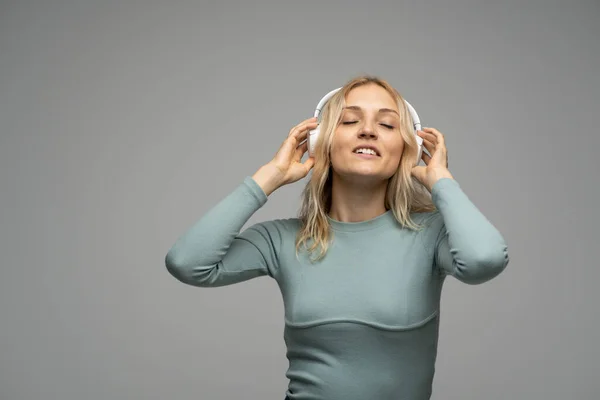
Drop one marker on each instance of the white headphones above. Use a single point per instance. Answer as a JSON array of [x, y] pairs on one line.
[[314, 134]]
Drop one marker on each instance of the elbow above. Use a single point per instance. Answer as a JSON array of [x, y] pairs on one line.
[[484, 265], [190, 273], [177, 268]]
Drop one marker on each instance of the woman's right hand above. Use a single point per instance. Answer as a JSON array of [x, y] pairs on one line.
[[286, 167]]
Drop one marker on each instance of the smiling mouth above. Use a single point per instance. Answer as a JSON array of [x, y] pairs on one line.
[[365, 152]]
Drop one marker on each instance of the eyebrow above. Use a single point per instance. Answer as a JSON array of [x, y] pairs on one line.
[[381, 110]]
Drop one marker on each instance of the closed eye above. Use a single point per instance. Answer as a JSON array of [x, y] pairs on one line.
[[354, 122]]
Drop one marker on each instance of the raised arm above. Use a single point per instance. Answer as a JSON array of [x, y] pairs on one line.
[[468, 246], [213, 252]]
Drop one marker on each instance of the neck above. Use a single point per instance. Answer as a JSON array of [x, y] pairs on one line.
[[356, 202]]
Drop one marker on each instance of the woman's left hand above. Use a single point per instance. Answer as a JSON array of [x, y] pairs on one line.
[[436, 165]]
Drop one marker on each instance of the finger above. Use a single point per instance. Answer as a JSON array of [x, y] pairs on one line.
[[304, 122], [308, 164], [426, 158], [438, 143], [427, 135], [308, 123], [303, 145], [301, 133], [430, 137], [418, 171], [429, 145], [300, 150], [433, 131], [293, 142]]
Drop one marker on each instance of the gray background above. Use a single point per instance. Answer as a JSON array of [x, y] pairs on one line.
[[123, 122]]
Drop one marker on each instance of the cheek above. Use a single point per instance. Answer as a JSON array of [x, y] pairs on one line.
[[340, 145], [400, 145], [338, 156], [397, 147]]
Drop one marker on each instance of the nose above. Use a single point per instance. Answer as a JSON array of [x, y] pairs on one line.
[[367, 131]]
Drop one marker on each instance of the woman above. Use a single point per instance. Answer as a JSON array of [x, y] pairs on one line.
[[361, 269]]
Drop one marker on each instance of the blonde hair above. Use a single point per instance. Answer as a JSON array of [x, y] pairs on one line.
[[404, 193]]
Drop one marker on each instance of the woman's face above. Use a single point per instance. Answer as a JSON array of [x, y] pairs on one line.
[[367, 143]]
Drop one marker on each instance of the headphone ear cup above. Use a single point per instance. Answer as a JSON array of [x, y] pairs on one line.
[[419, 148], [312, 140]]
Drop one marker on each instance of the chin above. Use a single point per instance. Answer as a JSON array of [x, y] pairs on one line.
[[363, 176]]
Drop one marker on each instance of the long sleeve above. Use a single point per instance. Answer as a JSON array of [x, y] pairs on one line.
[[213, 252], [468, 246]]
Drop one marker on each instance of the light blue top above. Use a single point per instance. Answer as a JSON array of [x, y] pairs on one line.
[[362, 323]]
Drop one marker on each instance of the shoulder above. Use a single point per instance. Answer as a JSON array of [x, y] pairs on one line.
[[430, 220], [275, 231], [432, 227], [278, 225]]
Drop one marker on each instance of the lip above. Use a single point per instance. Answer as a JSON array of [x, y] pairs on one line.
[[366, 156], [367, 146]]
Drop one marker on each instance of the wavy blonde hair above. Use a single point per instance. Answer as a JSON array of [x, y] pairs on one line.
[[404, 193]]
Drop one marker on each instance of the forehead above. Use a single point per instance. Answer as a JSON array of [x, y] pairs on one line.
[[371, 96]]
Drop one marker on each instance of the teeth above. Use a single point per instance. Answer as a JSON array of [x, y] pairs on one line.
[[366, 151]]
